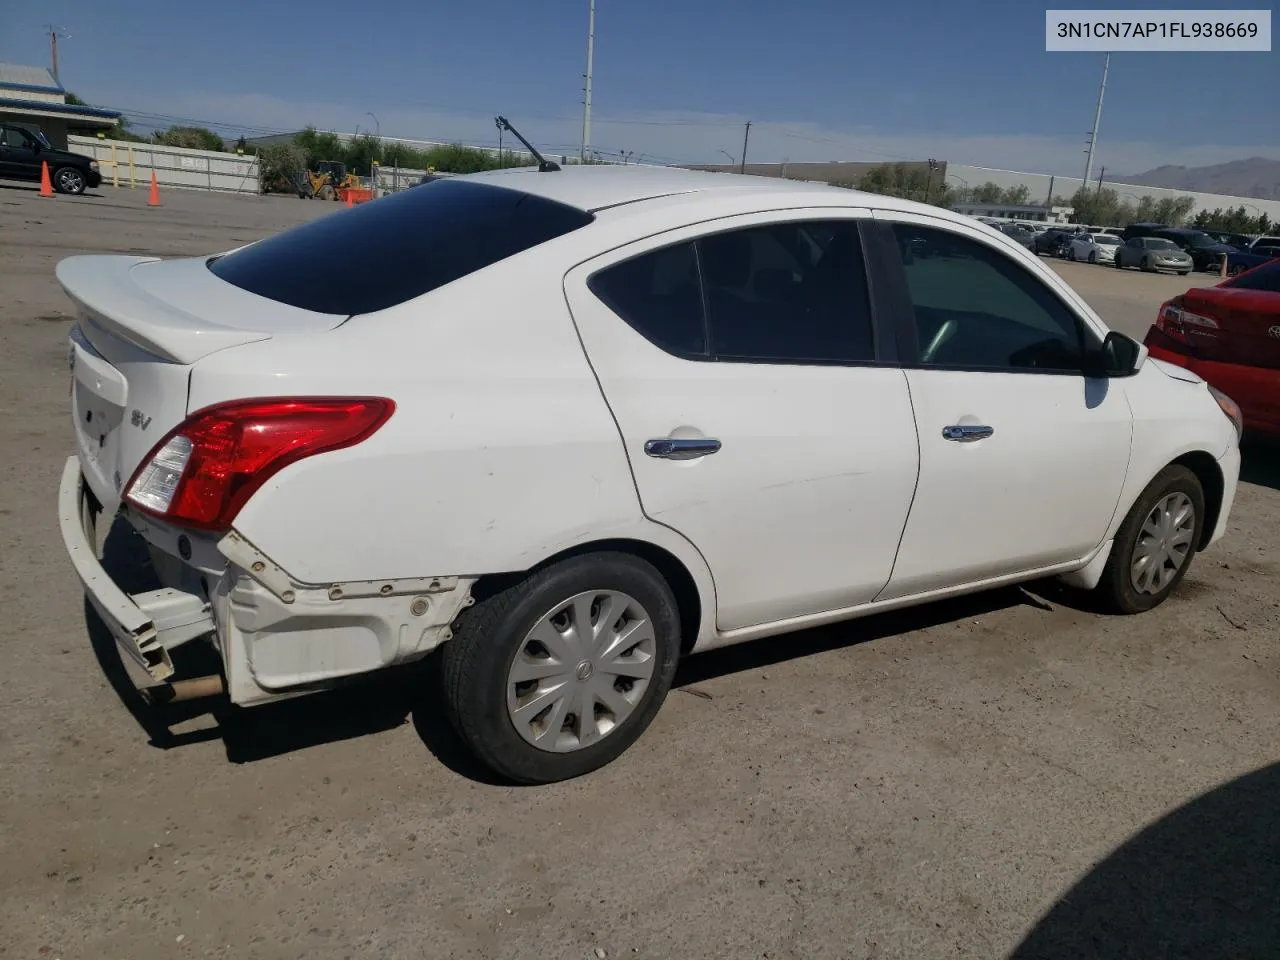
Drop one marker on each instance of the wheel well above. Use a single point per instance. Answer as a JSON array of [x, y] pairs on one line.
[[678, 578], [1207, 471]]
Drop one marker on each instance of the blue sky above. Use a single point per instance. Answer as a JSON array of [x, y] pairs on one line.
[[820, 79]]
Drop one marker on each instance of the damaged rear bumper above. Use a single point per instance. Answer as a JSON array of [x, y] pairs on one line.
[[277, 637], [145, 625]]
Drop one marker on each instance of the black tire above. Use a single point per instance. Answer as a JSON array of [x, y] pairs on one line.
[[1115, 590], [476, 661], [1183, 273], [1145, 266], [1117, 264], [1071, 254], [1093, 258], [69, 180]]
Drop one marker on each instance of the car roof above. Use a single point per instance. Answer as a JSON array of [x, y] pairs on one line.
[[595, 187]]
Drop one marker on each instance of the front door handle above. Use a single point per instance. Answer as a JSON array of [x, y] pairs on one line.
[[681, 448], [966, 433]]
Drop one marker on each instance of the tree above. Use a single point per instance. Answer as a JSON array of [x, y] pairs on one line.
[[1016, 196], [279, 167], [195, 138], [987, 193], [1236, 220]]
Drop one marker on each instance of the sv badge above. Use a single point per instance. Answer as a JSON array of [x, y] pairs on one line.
[[139, 420]]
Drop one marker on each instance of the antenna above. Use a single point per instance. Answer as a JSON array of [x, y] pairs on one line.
[[544, 165], [54, 35]]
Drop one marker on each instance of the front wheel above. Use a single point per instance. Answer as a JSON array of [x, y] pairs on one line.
[[1093, 258], [557, 675], [69, 180], [1155, 544]]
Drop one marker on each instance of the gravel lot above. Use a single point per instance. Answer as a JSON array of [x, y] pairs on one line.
[[920, 785]]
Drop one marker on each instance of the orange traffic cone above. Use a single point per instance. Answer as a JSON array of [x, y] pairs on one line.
[[46, 185], [154, 199], [348, 193]]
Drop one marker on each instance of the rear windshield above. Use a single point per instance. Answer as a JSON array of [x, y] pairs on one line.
[[1265, 277], [396, 248]]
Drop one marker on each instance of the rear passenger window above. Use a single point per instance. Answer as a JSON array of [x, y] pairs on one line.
[[659, 297], [790, 292]]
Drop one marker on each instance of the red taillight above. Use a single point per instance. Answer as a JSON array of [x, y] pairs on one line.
[[204, 470]]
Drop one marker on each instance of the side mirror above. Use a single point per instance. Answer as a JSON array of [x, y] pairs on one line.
[[1118, 356]]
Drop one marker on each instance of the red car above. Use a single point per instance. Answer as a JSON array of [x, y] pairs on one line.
[[1230, 336]]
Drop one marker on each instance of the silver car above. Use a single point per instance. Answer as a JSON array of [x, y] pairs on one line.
[[1153, 253]]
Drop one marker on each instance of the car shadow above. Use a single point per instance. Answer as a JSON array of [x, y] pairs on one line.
[[1260, 464], [1201, 882], [410, 694]]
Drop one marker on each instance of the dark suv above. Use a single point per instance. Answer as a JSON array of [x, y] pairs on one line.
[[23, 152], [1206, 252]]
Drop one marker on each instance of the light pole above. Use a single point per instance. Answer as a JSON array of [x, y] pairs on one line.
[[732, 158], [1097, 118], [586, 100]]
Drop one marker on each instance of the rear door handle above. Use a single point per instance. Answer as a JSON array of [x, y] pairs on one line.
[[966, 433], [681, 448]]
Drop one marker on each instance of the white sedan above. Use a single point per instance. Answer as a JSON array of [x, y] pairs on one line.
[[1093, 247], [571, 426]]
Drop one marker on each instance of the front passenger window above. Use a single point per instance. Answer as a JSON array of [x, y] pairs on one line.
[[975, 308]]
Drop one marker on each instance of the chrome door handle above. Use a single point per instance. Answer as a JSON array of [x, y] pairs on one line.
[[966, 434], [681, 448]]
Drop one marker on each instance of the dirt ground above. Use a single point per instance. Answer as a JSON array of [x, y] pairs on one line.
[[1005, 775]]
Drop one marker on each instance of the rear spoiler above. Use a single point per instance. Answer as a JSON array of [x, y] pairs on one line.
[[177, 310]]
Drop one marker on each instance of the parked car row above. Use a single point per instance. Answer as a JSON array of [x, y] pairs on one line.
[[1149, 247]]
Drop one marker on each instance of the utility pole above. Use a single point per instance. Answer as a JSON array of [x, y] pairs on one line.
[[1048, 204], [586, 102], [1097, 117], [498, 124], [742, 167], [53, 48], [1102, 173]]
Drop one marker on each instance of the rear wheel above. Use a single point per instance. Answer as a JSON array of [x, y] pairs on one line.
[[557, 675], [69, 180], [1155, 545], [1093, 258], [1145, 265]]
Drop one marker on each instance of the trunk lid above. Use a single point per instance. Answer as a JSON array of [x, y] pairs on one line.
[[1245, 319], [141, 325]]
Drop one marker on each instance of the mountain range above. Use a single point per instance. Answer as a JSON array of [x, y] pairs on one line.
[[1255, 177]]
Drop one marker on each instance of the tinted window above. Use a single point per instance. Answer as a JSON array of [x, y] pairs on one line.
[[659, 297], [976, 308], [15, 137], [383, 253], [1265, 277], [790, 292]]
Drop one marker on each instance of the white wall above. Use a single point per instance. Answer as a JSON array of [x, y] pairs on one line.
[[120, 162], [1038, 184]]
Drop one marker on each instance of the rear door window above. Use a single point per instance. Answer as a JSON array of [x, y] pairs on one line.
[[659, 296], [396, 248], [788, 292]]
